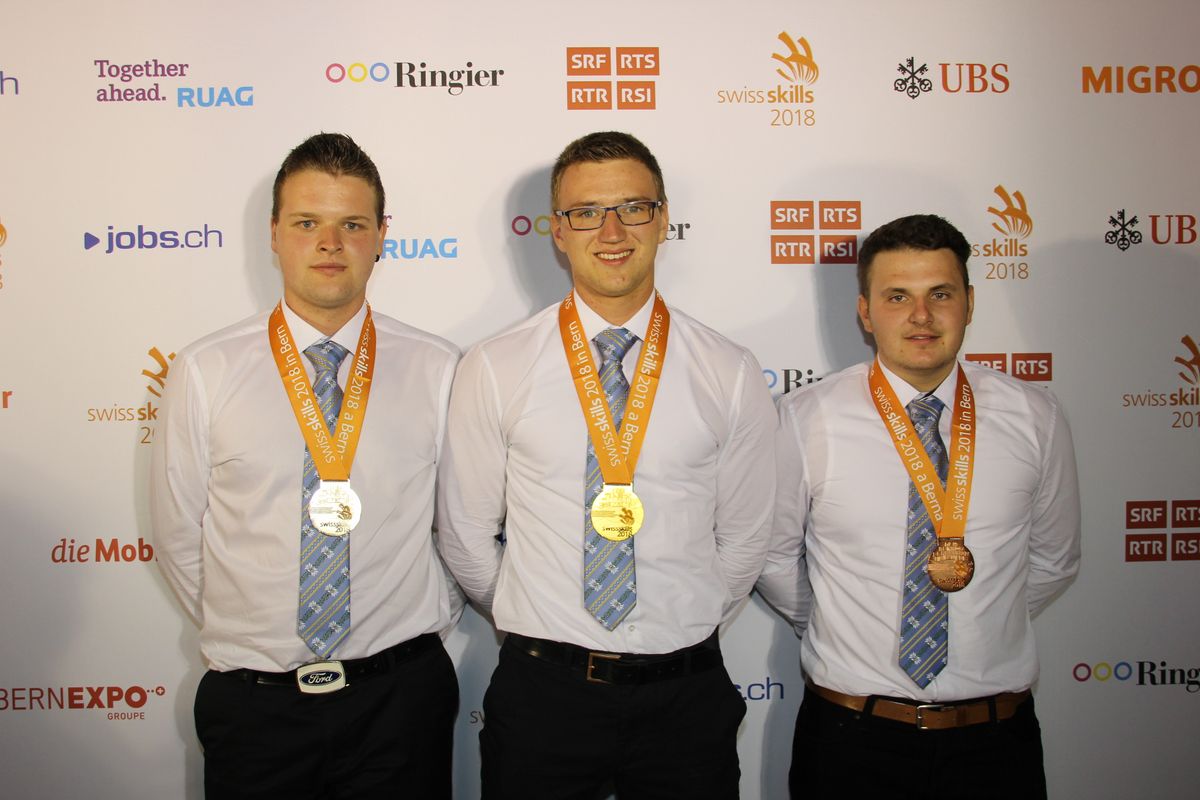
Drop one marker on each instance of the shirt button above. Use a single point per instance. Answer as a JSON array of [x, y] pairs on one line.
[[632, 629]]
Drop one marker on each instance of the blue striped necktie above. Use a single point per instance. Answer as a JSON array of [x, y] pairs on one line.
[[925, 622], [609, 578], [324, 613]]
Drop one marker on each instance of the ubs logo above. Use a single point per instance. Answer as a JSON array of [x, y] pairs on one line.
[[964, 77]]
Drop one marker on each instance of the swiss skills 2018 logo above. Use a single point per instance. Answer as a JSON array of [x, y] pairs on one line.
[[789, 97]]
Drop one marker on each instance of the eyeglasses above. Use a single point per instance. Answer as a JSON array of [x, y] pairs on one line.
[[589, 218]]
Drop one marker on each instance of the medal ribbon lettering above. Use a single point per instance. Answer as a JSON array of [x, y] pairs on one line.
[[332, 451], [616, 451], [920, 467]]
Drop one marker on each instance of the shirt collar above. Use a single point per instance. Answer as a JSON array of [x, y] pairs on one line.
[[593, 323], [306, 335], [905, 392]]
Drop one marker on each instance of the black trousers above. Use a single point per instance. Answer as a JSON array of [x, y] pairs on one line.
[[386, 735], [550, 734], [838, 752]]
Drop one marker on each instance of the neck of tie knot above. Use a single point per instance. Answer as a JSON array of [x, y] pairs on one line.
[[925, 412], [614, 343], [326, 356]]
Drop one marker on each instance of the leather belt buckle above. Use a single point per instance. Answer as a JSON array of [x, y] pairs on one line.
[[591, 666], [929, 708], [321, 677]]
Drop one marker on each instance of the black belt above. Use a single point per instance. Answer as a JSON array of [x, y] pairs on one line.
[[621, 668], [355, 668]]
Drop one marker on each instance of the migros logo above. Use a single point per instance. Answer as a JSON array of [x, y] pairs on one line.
[[118, 703], [838, 220], [1142, 673], [591, 72], [415, 75], [1140, 79], [789, 101]]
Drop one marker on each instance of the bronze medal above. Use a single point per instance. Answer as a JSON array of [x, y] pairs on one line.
[[617, 512], [951, 565]]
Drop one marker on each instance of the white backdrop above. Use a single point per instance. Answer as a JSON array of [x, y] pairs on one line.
[[1088, 110]]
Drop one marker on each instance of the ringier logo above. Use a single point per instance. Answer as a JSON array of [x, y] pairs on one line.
[[1162, 530], [815, 231], [603, 78]]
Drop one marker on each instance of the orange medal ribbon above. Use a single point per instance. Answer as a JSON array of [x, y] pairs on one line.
[[333, 452], [617, 451], [951, 565]]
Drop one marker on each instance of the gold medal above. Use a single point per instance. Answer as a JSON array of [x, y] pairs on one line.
[[617, 512], [334, 508], [951, 565]]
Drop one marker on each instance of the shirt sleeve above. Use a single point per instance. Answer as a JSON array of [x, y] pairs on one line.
[[784, 580], [179, 472], [746, 483], [471, 492], [1055, 530]]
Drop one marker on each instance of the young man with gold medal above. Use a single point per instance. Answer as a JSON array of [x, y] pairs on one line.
[[626, 451]]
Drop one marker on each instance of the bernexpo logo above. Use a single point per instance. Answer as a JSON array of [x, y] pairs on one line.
[[1142, 673], [415, 75], [118, 702], [144, 238]]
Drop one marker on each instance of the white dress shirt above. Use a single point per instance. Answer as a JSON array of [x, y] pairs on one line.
[[225, 493], [516, 447], [842, 506]]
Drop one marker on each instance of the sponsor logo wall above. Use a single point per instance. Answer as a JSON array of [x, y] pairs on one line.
[[136, 163]]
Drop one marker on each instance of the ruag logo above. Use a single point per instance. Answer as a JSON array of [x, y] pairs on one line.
[[1153, 521], [1026, 366], [1140, 79], [144, 238], [151, 82], [116, 703], [1145, 673], [1005, 256], [782, 381], [790, 100], [539, 225], [9, 85], [953, 78], [838, 220], [146, 415], [1183, 402], [454, 80], [765, 689], [590, 78]]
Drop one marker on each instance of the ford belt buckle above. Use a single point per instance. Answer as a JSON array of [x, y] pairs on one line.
[[321, 678]]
